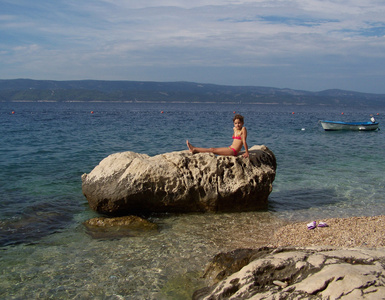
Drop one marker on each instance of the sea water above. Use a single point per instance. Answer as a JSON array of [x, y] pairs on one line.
[[45, 147]]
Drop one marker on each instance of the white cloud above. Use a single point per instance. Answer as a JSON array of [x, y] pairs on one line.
[[103, 38]]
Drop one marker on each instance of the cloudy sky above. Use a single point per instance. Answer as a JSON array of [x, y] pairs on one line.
[[301, 44]]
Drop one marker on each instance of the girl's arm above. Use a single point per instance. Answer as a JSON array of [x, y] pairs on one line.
[[244, 136]]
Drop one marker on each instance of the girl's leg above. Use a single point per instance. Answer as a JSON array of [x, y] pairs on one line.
[[196, 149], [223, 151], [218, 151]]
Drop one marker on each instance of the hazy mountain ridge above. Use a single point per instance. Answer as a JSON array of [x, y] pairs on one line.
[[137, 91]]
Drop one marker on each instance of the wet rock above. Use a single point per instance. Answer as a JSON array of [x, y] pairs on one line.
[[180, 182], [305, 273], [225, 264], [127, 226]]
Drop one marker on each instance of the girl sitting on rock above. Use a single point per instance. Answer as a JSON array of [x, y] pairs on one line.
[[239, 140]]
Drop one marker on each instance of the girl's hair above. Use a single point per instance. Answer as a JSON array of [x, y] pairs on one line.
[[239, 117]]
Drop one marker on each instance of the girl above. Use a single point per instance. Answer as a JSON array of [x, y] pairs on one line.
[[239, 140]]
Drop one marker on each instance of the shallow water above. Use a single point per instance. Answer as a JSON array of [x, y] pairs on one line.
[[166, 265], [45, 147]]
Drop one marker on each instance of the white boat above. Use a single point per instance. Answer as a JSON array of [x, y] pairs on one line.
[[339, 125]]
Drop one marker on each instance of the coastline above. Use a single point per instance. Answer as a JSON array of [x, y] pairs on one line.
[[343, 260], [70, 262]]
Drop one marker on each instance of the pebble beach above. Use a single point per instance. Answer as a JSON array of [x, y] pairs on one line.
[[341, 232]]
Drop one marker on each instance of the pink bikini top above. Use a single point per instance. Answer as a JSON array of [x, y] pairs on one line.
[[236, 137]]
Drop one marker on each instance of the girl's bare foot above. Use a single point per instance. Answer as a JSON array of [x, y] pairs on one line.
[[190, 147]]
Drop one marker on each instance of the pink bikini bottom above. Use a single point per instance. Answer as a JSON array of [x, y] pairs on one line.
[[235, 151]]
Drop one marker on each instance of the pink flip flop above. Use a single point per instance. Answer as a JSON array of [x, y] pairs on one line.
[[322, 224], [312, 225]]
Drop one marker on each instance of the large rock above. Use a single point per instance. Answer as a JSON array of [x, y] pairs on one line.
[[180, 182], [297, 273]]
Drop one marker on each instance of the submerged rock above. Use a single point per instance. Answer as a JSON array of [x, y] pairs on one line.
[[36, 222], [101, 228], [301, 273], [180, 182]]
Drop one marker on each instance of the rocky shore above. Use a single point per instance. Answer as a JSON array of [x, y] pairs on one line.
[[345, 260], [267, 258]]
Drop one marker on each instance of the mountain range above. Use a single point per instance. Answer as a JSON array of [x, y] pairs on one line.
[[148, 91]]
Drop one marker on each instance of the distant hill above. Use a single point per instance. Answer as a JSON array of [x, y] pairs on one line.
[[147, 91]]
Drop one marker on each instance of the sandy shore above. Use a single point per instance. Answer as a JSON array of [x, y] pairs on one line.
[[345, 232]]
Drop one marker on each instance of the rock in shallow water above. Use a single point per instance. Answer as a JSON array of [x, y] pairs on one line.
[[127, 226], [180, 182]]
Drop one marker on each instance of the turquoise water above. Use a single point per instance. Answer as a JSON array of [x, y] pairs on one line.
[[46, 147]]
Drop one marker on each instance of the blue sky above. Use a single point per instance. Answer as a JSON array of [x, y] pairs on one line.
[[305, 44]]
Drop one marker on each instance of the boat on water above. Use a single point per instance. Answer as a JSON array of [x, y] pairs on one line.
[[339, 125]]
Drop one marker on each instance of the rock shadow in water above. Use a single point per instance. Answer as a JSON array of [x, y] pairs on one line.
[[301, 199], [35, 223]]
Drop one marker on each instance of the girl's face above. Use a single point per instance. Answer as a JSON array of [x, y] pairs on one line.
[[238, 124]]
